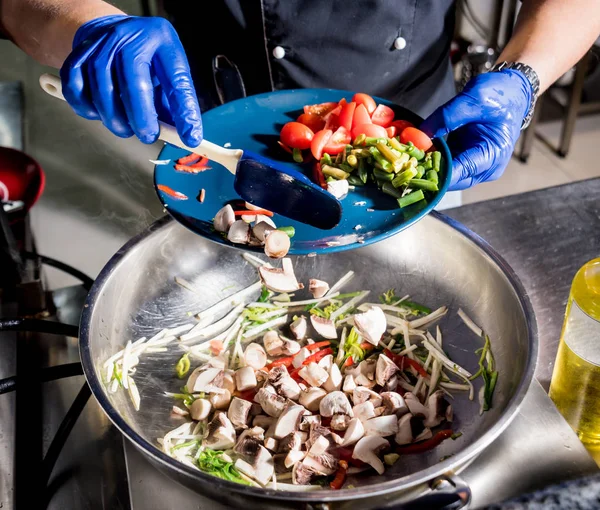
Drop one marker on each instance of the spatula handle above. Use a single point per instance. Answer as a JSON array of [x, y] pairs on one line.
[[227, 157]]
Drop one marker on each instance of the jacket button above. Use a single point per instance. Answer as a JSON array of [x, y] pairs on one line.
[[278, 52], [400, 43]]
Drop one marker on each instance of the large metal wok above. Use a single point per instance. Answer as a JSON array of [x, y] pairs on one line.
[[437, 261]]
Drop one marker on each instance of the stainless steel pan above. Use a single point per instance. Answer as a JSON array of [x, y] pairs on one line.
[[437, 261]]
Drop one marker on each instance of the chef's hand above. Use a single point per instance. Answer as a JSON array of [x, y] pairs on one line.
[[483, 123], [129, 72]]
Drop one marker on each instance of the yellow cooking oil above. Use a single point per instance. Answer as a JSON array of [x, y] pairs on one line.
[[575, 384]]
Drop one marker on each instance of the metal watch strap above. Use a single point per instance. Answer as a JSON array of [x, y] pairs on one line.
[[533, 79]]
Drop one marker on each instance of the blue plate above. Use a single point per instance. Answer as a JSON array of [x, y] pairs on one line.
[[254, 123]]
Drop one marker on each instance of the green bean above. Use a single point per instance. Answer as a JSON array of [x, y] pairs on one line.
[[385, 164], [436, 158], [397, 145], [423, 184], [389, 189], [334, 172], [290, 231], [360, 140], [416, 153], [401, 163], [387, 152], [354, 180], [326, 159], [413, 162], [352, 160], [297, 155], [346, 167], [420, 171], [432, 176], [427, 164], [362, 171], [384, 176], [404, 177], [373, 141], [411, 198]]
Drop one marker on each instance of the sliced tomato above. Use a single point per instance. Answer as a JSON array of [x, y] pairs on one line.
[[311, 120], [366, 100], [320, 109], [382, 116], [417, 137], [361, 116], [338, 141], [296, 135], [391, 131], [371, 130], [332, 119], [319, 141], [401, 125], [346, 115], [342, 102]]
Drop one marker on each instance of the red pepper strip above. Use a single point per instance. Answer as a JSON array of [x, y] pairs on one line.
[[281, 361], [346, 454], [203, 162], [401, 361], [318, 345], [318, 175], [317, 356], [191, 169], [171, 192], [247, 395], [340, 476], [349, 362], [264, 212], [295, 374], [425, 445], [367, 346], [190, 158], [285, 147]]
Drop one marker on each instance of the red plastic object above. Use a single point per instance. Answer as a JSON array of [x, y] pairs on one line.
[[21, 177]]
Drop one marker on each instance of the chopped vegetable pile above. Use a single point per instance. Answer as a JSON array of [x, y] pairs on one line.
[[281, 390], [358, 143]]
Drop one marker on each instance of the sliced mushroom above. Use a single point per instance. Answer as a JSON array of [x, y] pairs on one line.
[[309, 419], [280, 279], [200, 409], [371, 324], [255, 356], [301, 474], [324, 327], [364, 381], [299, 327], [349, 384], [245, 378], [221, 400], [255, 410], [224, 219], [313, 374], [208, 381], [334, 381], [217, 362], [290, 347], [311, 398], [288, 421], [394, 403], [248, 442], [368, 449], [229, 381], [339, 421], [290, 442], [277, 244], [385, 369], [293, 457], [319, 447], [221, 434], [335, 402], [361, 395], [271, 444], [339, 189], [300, 357], [383, 426], [263, 421], [324, 464], [426, 434], [272, 404], [260, 468], [380, 411], [364, 411], [391, 384], [261, 230], [283, 383], [438, 409], [273, 343], [325, 362], [239, 232], [239, 412], [354, 432], [415, 406], [318, 288], [405, 433]]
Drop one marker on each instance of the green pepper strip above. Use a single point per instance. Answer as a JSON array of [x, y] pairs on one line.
[[183, 366], [290, 231]]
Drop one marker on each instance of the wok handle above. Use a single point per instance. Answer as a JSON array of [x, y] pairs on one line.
[[229, 158], [448, 492]]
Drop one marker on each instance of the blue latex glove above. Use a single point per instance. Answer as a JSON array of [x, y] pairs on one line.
[[129, 72], [483, 123]]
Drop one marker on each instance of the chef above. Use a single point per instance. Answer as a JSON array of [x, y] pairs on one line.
[[129, 71]]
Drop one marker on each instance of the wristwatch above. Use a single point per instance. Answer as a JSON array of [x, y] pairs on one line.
[[533, 79]]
